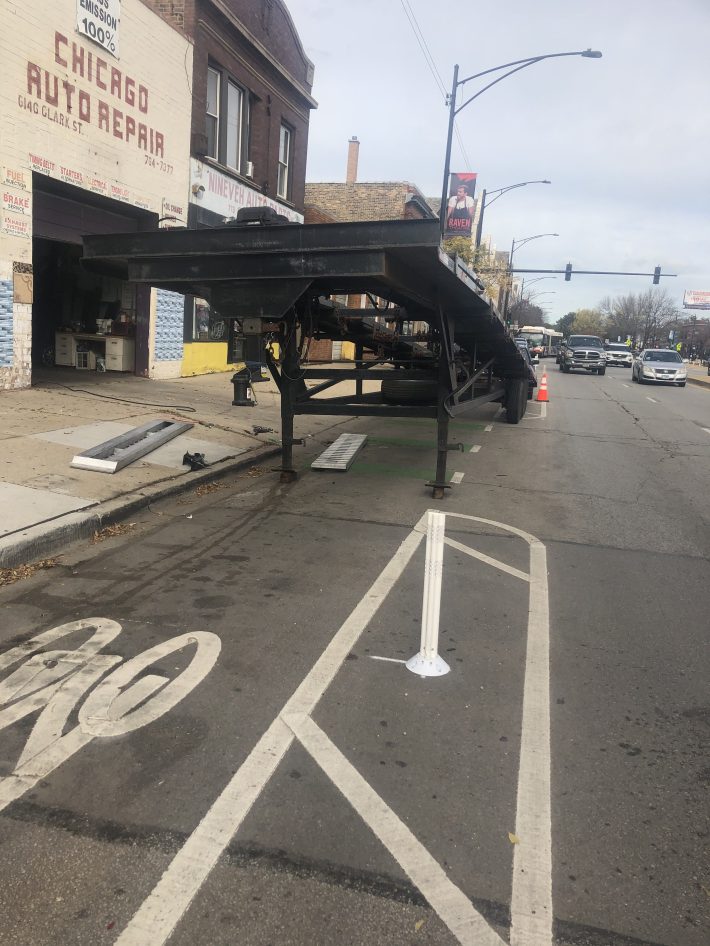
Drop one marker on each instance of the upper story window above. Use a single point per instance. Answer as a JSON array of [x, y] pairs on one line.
[[227, 119], [213, 96], [284, 163]]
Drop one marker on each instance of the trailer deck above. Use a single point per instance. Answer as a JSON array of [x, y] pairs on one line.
[[290, 276]]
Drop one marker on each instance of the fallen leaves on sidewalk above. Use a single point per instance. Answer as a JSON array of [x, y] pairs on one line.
[[8, 575], [108, 532], [255, 471]]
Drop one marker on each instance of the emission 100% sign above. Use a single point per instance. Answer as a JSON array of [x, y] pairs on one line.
[[99, 20]]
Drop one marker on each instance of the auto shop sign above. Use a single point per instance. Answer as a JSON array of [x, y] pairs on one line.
[[100, 21]]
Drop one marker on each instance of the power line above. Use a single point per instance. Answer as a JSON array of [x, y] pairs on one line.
[[421, 40], [429, 59]]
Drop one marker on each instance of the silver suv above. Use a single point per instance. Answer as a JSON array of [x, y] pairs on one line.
[[583, 352]]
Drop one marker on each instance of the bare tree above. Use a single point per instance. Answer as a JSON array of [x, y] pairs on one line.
[[646, 317], [525, 312]]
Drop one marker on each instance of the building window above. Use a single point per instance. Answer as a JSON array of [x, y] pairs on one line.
[[235, 115], [284, 162], [213, 84], [226, 119]]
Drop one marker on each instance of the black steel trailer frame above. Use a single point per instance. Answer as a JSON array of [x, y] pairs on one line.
[[288, 275]]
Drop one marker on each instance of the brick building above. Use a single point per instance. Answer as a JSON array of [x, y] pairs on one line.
[[351, 201], [91, 143], [251, 103], [206, 111]]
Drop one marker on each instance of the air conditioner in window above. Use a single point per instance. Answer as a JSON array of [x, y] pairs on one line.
[[249, 169]]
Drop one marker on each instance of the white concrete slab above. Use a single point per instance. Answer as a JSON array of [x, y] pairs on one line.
[[21, 506], [86, 435], [169, 455]]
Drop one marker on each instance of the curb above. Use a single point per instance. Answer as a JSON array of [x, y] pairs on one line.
[[700, 382], [40, 541]]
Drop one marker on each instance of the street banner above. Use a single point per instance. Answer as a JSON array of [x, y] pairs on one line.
[[461, 206], [692, 299]]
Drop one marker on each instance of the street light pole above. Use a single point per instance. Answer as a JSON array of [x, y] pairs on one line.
[[531, 281], [517, 65], [499, 191], [516, 244]]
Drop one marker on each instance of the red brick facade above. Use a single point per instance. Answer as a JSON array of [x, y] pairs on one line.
[[256, 43]]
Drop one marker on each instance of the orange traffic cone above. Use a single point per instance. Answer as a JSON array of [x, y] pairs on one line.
[[542, 389]]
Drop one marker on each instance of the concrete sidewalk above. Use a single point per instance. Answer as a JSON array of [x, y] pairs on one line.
[[699, 375], [45, 503]]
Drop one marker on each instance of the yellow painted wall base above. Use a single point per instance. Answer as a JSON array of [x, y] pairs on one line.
[[348, 351], [204, 358]]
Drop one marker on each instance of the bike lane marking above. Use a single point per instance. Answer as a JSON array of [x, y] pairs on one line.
[[157, 917], [444, 897], [531, 901], [55, 683]]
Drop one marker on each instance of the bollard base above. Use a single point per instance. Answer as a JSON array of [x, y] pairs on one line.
[[427, 666]]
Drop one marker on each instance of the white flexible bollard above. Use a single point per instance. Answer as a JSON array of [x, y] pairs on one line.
[[428, 663]]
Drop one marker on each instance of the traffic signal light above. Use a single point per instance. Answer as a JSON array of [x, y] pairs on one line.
[[568, 272], [656, 275]]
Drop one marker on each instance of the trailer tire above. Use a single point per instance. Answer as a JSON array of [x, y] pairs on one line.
[[516, 399], [410, 390]]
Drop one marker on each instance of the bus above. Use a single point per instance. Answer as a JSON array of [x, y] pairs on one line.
[[541, 339]]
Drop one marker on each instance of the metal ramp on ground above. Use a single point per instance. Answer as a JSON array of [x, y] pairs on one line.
[[340, 455]]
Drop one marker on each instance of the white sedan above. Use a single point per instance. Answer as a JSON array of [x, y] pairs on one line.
[[661, 365]]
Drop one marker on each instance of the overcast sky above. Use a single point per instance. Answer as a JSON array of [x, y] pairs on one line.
[[624, 139]]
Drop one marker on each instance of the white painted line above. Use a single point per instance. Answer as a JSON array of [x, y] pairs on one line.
[[488, 428], [391, 660], [485, 558], [498, 412], [475, 448], [451, 904], [706, 429], [531, 899], [651, 399], [157, 917], [625, 385], [456, 478], [543, 412]]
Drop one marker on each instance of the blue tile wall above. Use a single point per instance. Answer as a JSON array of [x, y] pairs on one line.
[[169, 311], [5, 323]]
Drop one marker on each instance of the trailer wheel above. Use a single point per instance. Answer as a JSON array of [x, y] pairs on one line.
[[410, 390], [516, 399]]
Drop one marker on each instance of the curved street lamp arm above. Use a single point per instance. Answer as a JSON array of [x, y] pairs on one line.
[[587, 53], [504, 190], [505, 75], [518, 243]]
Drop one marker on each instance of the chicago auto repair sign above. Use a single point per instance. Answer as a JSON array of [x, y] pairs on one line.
[[100, 21]]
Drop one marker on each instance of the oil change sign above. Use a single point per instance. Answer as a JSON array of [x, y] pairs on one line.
[[100, 21]]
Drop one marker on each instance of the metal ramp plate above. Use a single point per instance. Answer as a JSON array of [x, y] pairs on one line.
[[341, 453], [114, 454]]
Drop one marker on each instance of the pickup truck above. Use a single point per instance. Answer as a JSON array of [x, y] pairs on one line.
[[584, 352]]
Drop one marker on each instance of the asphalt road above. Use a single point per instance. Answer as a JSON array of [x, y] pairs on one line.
[[295, 784]]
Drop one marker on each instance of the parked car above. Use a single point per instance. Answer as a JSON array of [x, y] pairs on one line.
[[618, 354], [583, 352], [659, 365]]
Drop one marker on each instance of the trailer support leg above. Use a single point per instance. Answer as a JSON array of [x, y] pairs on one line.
[[289, 374], [439, 486], [358, 364]]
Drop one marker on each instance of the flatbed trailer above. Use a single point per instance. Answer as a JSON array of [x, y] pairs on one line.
[[290, 275]]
